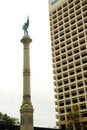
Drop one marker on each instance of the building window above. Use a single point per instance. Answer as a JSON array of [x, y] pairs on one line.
[[66, 88], [82, 106], [67, 102], [73, 86], [81, 91], [68, 109], [78, 70], [61, 110], [74, 93], [60, 96], [60, 83], [72, 79], [61, 103], [62, 118], [66, 81], [53, 1], [67, 95], [60, 90], [80, 84], [74, 100]]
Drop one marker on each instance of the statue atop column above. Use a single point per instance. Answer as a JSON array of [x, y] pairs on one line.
[[25, 27]]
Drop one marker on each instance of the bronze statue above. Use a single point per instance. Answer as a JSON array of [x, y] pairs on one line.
[[25, 27]]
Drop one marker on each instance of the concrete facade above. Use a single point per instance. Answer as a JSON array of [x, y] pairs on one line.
[[68, 29], [26, 110]]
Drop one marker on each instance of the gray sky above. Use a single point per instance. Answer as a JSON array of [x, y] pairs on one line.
[[13, 15]]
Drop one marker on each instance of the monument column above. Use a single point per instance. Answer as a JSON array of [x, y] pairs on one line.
[[26, 110]]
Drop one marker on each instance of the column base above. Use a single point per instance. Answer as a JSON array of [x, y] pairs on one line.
[[26, 112]]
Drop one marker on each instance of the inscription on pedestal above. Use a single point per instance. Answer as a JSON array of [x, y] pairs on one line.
[[27, 120]]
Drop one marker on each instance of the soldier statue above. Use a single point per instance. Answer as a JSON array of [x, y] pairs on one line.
[[25, 27]]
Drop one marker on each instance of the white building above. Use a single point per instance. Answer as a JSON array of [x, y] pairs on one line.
[[68, 29]]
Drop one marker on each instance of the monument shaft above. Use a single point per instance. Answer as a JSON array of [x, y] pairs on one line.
[[26, 74], [26, 109]]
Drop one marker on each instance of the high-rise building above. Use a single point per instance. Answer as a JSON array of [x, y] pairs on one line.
[[68, 29]]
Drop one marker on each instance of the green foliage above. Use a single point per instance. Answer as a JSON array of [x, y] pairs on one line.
[[73, 117], [84, 127], [75, 108], [74, 114], [68, 129], [7, 120]]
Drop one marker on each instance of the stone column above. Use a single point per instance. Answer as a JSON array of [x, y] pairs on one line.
[[26, 110]]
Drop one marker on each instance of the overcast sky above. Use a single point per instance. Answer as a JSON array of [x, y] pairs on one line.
[[13, 14]]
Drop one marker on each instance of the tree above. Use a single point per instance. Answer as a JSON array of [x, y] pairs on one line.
[[7, 120], [73, 118]]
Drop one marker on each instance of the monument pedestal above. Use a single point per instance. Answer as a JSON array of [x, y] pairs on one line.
[[26, 110], [26, 117]]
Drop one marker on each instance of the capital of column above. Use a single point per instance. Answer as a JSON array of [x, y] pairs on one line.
[[26, 39]]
